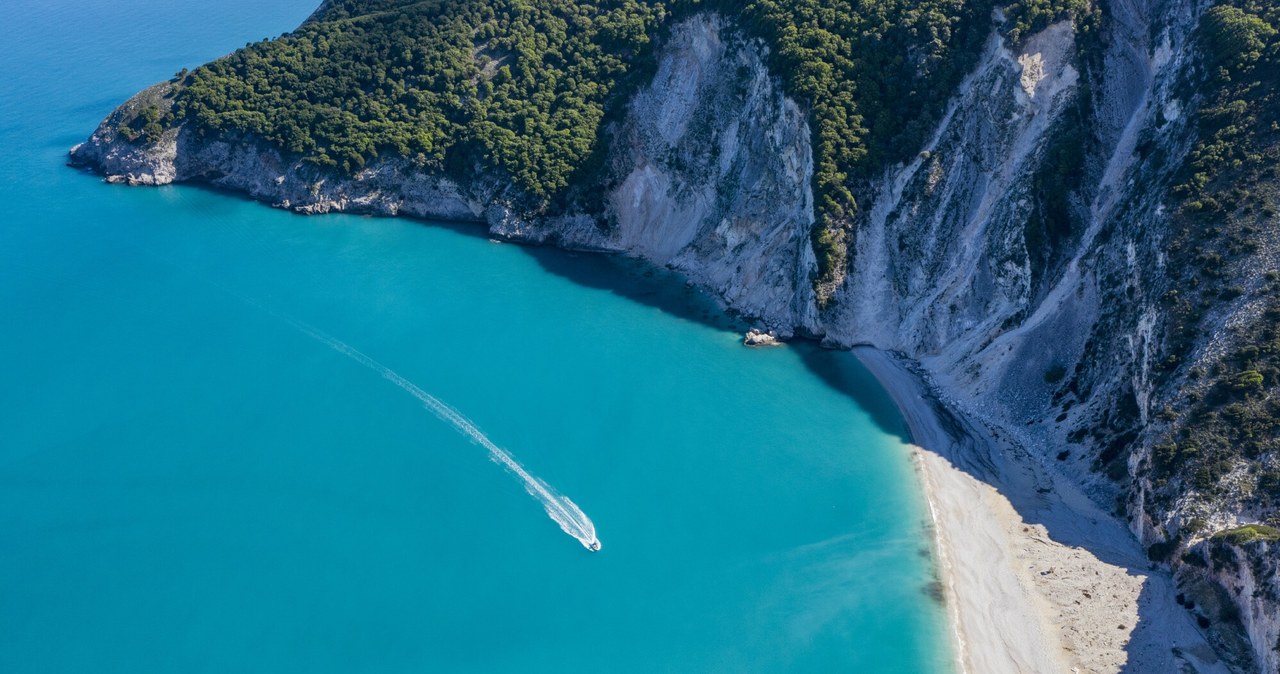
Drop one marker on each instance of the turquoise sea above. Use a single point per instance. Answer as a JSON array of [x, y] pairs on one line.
[[190, 482]]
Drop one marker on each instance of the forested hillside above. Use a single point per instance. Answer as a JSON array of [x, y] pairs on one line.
[[526, 86]]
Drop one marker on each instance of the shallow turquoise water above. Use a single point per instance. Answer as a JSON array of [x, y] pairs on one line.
[[188, 483]]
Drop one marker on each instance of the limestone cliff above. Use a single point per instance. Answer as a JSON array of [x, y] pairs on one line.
[[1053, 338]]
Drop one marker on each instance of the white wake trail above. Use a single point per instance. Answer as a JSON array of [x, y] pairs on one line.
[[560, 508]]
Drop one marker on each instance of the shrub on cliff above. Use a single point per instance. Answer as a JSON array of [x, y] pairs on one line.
[[1249, 533]]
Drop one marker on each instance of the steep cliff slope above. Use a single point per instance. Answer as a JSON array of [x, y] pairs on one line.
[[1045, 253], [1068, 346]]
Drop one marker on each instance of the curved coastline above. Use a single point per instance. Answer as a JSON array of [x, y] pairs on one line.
[[1022, 592], [1000, 534]]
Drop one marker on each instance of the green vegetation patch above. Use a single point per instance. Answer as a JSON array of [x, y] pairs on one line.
[[1248, 533]]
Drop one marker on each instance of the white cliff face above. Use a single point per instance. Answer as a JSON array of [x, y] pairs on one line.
[[712, 172], [718, 168], [940, 261]]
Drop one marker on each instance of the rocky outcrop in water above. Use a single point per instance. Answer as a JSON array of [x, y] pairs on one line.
[[760, 338]]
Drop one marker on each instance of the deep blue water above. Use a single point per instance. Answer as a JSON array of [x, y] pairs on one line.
[[190, 483]]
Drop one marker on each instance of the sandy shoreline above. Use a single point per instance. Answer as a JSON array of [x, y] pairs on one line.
[[1036, 577]]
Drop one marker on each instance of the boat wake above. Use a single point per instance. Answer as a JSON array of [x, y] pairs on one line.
[[559, 508]]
